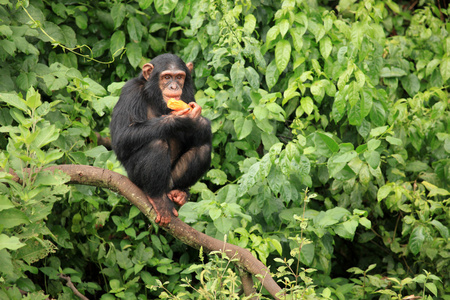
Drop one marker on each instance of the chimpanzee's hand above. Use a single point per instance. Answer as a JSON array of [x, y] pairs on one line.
[[196, 110]]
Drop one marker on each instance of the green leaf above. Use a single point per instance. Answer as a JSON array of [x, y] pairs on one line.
[[329, 142], [117, 43], [325, 47], [432, 287], [307, 105], [252, 77], [284, 27], [237, 74], [164, 7], [81, 20], [118, 12], [411, 84], [14, 100], [135, 29], [144, 4], [307, 254], [250, 24], [272, 74], [26, 80], [272, 34], [5, 203], [243, 127], [372, 158], [282, 54], [378, 131], [383, 192], [217, 176], [445, 68], [394, 141], [392, 72], [134, 54], [11, 243], [416, 239], [12, 217], [443, 230], [8, 46]]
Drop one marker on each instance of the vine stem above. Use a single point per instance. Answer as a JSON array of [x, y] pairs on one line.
[[72, 50]]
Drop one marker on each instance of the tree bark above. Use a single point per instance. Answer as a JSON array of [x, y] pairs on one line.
[[115, 182]]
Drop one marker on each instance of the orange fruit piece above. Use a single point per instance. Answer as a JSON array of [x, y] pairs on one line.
[[177, 104]]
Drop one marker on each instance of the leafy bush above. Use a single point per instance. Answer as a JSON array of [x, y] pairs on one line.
[[346, 99]]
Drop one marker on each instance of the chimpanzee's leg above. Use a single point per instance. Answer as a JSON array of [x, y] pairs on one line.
[[150, 169]]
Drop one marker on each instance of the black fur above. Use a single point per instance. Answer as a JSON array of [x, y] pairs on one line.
[[144, 145]]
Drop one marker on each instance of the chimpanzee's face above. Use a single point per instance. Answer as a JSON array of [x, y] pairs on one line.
[[171, 83]]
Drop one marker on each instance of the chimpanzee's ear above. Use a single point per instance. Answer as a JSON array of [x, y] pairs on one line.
[[190, 66], [147, 70]]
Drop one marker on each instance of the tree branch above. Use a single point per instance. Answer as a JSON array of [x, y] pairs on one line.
[[115, 182]]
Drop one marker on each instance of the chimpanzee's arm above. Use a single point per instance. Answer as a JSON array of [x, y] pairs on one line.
[[130, 138], [196, 161]]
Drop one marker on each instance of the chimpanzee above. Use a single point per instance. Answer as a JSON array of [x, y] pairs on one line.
[[164, 152]]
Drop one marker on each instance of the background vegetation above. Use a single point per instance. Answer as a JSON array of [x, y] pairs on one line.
[[346, 99]]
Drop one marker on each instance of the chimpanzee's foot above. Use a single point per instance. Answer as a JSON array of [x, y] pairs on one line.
[[178, 196], [164, 210]]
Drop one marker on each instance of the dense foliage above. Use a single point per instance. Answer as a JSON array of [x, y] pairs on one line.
[[331, 127]]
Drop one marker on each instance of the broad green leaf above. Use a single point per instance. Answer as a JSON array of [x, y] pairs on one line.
[[11, 243], [284, 27], [373, 144], [329, 142], [378, 131], [250, 24], [5, 203], [445, 68], [443, 230], [144, 4], [26, 80], [12, 217], [134, 54], [392, 72], [8, 46], [344, 157], [118, 12], [307, 105], [383, 192], [346, 229], [117, 43], [252, 77], [282, 54], [45, 136], [307, 254], [272, 34], [365, 222], [135, 29], [416, 166], [217, 176], [164, 7], [223, 224], [325, 47], [81, 20], [432, 287], [411, 84], [297, 39], [372, 158], [182, 9], [272, 74], [14, 100], [243, 127], [33, 99], [394, 141], [237, 74], [416, 239]]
